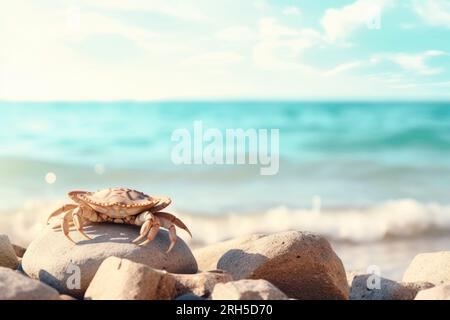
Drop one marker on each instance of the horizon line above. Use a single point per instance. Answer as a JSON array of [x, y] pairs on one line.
[[250, 100]]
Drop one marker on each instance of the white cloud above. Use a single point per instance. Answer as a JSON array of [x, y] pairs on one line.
[[40, 61], [416, 63], [341, 68], [339, 23], [178, 9], [97, 24], [271, 28], [434, 12], [279, 47], [291, 11], [248, 54], [236, 34]]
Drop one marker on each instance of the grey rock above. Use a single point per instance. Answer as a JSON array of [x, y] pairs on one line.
[[15, 286], [301, 264], [53, 259], [371, 287]]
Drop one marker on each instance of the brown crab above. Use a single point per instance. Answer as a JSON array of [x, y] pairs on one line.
[[120, 205]]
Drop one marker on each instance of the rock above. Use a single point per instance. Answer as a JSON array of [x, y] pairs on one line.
[[367, 287], [133, 281], [15, 286], [437, 293], [122, 279], [301, 264], [429, 267], [189, 297], [20, 251], [8, 258], [53, 259], [247, 290], [200, 284]]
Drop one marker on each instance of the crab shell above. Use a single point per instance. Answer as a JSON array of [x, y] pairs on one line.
[[119, 202]]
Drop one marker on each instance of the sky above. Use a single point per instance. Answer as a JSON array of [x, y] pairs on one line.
[[69, 50]]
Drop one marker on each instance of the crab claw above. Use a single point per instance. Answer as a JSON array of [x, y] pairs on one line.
[[63, 209]]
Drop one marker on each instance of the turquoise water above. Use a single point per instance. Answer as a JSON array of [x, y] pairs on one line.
[[349, 154]]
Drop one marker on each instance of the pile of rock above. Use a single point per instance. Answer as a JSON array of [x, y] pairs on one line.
[[263, 267], [287, 265], [13, 284]]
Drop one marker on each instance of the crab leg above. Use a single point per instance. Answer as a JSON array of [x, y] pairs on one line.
[[60, 210], [152, 234], [173, 220], [169, 222], [144, 230], [172, 237], [58, 226], [149, 229], [78, 221], [65, 224]]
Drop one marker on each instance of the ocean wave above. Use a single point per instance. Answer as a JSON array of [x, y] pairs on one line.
[[393, 219], [405, 218]]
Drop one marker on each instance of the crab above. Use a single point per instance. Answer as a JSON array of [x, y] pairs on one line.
[[119, 205]]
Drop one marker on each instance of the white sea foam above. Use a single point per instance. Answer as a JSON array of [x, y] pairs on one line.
[[394, 219], [399, 218]]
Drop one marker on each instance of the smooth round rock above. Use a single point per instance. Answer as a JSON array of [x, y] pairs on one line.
[[303, 265], [70, 267]]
